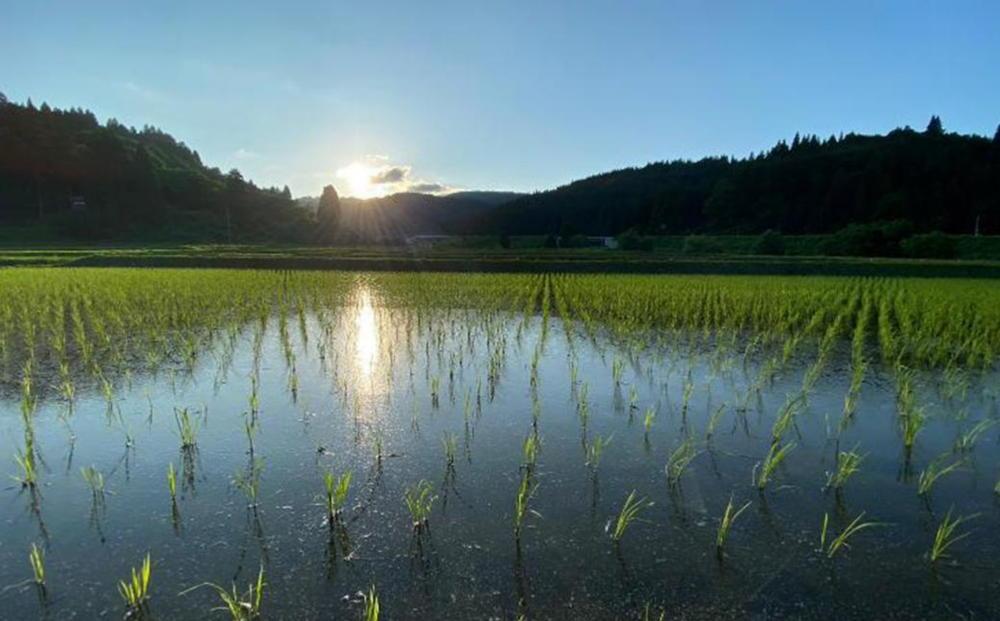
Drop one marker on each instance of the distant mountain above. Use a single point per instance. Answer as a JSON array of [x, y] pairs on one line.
[[934, 179], [398, 216], [64, 169]]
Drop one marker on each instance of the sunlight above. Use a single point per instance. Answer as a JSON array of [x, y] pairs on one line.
[[366, 337], [358, 176]]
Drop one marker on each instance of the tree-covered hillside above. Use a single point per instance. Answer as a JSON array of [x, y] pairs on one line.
[[936, 180], [84, 179]]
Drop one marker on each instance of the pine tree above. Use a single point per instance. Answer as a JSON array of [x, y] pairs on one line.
[[934, 127], [996, 136]]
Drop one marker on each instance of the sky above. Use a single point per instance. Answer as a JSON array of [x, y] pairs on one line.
[[384, 96]]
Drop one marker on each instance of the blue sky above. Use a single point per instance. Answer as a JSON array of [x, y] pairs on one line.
[[501, 95]]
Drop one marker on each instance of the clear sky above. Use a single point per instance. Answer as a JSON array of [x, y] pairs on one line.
[[500, 95]]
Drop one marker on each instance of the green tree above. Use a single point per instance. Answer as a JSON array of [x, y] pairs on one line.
[[934, 127], [328, 215]]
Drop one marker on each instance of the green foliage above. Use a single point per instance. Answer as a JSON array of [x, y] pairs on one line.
[[702, 245], [770, 242], [933, 245], [875, 239]]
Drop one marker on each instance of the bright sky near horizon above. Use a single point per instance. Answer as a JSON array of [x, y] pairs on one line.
[[385, 96]]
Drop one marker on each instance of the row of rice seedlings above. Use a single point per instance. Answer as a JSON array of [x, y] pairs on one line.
[[629, 513], [840, 541]]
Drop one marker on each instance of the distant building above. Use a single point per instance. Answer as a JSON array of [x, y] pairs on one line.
[[77, 203]]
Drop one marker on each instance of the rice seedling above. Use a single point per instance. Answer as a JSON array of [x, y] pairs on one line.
[[28, 476], [135, 589], [244, 606], [647, 614], [172, 482], [529, 452], [647, 420], [450, 443], [525, 490], [419, 501], [186, 428], [595, 449], [679, 460], [934, 471], [94, 480], [372, 607], [336, 493], [713, 421], [848, 464], [840, 541], [764, 470], [37, 560], [945, 536], [629, 513], [729, 516], [248, 481], [967, 441]]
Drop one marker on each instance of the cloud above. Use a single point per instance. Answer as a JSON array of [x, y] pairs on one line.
[[391, 174], [245, 154], [428, 188]]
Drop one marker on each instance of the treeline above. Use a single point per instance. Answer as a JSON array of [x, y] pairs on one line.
[[928, 180], [65, 170]]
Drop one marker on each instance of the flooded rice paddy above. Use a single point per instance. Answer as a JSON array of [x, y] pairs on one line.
[[497, 447]]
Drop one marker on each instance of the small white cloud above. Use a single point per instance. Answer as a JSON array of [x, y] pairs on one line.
[[245, 154]]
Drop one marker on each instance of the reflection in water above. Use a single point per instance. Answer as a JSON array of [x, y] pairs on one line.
[[366, 336]]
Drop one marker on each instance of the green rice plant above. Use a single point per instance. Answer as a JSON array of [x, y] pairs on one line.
[[729, 516], [94, 479], [336, 493], [244, 606], [647, 614], [172, 481], [28, 476], [679, 460], [786, 417], [450, 443], [945, 536], [933, 472], [529, 452], [248, 481], [525, 490], [764, 470], [629, 513], [186, 428], [713, 421], [967, 441], [840, 541], [37, 559], [848, 464], [135, 590], [419, 501], [595, 448], [371, 605], [647, 420]]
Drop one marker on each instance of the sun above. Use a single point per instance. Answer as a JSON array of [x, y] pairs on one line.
[[358, 177]]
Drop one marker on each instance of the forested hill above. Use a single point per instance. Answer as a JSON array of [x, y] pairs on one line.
[[85, 179], [936, 180]]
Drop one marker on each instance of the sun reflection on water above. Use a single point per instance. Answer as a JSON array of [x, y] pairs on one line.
[[366, 334]]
